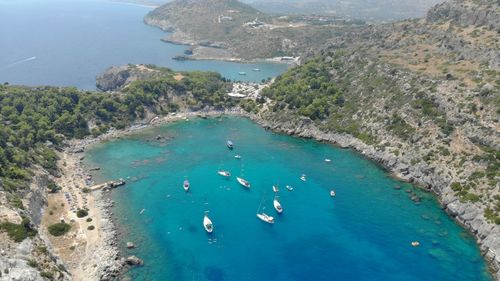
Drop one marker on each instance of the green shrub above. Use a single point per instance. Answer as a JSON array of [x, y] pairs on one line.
[[59, 229], [18, 232], [89, 219], [47, 274], [32, 263], [81, 213], [91, 227]]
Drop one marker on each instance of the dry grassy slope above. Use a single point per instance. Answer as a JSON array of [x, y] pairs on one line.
[[196, 23]]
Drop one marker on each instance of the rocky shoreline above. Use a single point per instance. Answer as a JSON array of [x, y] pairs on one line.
[[487, 235], [467, 214]]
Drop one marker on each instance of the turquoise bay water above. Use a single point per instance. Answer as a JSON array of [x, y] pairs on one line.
[[364, 233], [68, 43]]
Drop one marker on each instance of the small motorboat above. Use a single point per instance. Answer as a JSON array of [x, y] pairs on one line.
[[277, 206], [243, 182], [237, 156], [142, 211], [207, 224], [256, 69], [332, 193], [224, 173], [266, 218], [242, 73], [186, 185], [303, 177], [327, 160], [415, 243], [229, 144], [275, 188], [289, 188]]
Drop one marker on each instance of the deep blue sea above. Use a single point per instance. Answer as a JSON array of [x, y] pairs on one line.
[[68, 43], [363, 233]]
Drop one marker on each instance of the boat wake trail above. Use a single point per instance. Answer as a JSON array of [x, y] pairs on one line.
[[21, 61]]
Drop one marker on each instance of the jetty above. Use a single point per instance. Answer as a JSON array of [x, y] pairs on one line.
[[108, 184]]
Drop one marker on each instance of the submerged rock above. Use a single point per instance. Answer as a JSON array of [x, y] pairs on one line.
[[133, 260]]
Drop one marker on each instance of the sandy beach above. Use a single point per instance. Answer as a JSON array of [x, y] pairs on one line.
[[90, 253]]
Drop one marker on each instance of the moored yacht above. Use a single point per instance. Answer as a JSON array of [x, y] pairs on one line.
[[289, 187], [186, 185], [229, 144], [277, 206], [265, 218], [224, 173], [242, 73], [303, 177], [327, 160], [243, 182], [332, 193], [275, 188], [237, 156], [207, 224]]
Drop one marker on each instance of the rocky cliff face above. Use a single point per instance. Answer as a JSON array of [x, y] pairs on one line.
[[466, 13], [32, 259], [420, 97], [117, 77]]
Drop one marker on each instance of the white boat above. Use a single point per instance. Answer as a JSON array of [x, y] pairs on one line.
[[186, 185], [327, 160], [303, 177], [224, 173], [230, 144], [142, 211], [237, 156], [207, 224], [266, 218], [243, 182], [256, 69], [289, 187], [275, 188], [277, 206], [332, 193], [242, 73]]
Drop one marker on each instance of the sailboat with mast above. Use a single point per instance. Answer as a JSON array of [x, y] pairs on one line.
[[207, 223], [277, 205], [263, 216]]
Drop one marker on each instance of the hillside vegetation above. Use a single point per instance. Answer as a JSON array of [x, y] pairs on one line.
[[426, 91], [226, 26]]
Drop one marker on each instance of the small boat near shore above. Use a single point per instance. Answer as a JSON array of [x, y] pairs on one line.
[[237, 156], [243, 182], [224, 173], [142, 211], [230, 144], [242, 73], [289, 188], [275, 189], [207, 224], [265, 218], [332, 193], [277, 206], [256, 69], [186, 185], [327, 160]]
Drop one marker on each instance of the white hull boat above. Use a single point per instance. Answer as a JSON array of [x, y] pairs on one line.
[[207, 224], [186, 185], [289, 188], [224, 173], [277, 206], [275, 189], [265, 218], [243, 182], [303, 177], [332, 193]]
